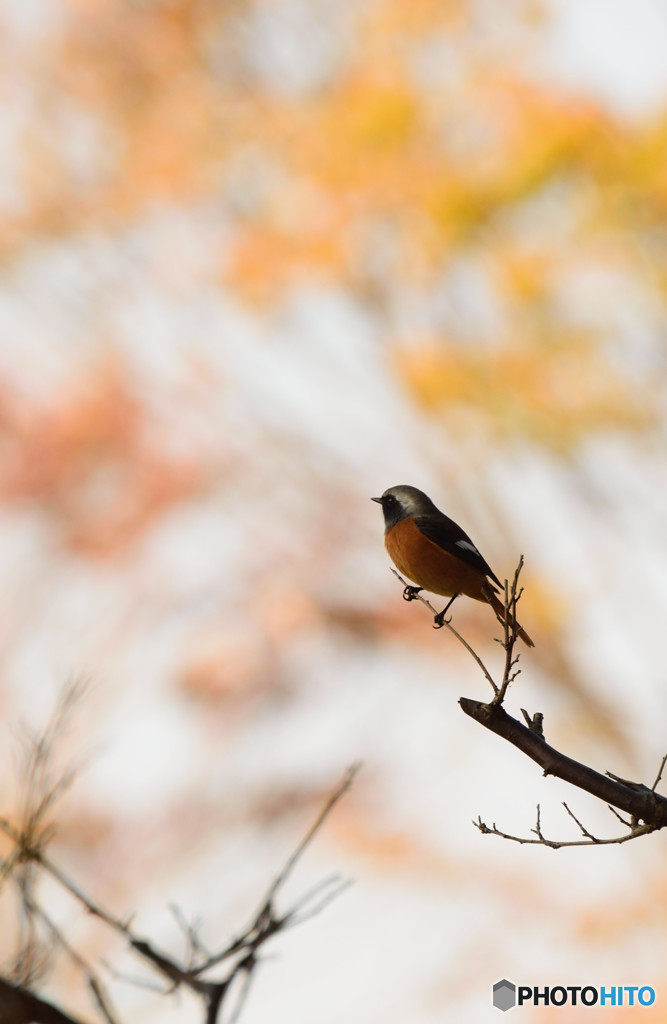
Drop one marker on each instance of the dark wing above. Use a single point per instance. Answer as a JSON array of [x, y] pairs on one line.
[[449, 536]]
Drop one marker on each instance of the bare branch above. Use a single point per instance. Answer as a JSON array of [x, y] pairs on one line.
[[243, 995], [92, 981], [635, 832], [190, 931], [448, 624], [242, 951], [623, 821], [511, 632], [642, 803], [339, 791], [659, 775], [647, 810], [584, 830], [509, 622], [41, 782], [336, 888], [541, 840], [264, 921]]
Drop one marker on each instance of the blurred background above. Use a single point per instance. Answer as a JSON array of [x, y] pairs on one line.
[[262, 259]]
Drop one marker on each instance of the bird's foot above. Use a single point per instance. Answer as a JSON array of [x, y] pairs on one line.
[[410, 593], [439, 620]]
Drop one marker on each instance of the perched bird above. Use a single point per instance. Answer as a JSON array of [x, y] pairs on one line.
[[432, 550]]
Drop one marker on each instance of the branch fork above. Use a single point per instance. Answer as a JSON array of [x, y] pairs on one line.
[[646, 809]]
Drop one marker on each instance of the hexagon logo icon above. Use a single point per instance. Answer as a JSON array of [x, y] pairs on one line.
[[504, 995]]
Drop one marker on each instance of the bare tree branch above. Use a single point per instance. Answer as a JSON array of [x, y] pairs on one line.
[[511, 632], [93, 982], [448, 624], [659, 775], [647, 809], [242, 952], [553, 844], [640, 801]]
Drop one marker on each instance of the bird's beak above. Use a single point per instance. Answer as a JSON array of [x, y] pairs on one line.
[[377, 499]]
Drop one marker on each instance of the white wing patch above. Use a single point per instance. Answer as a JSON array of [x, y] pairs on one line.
[[468, 545]]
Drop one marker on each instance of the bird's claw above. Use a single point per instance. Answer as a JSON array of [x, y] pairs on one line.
[[410, 593], [439, 620]]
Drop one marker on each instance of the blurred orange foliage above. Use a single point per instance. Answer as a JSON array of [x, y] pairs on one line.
[[555, 394], [88, 460], [385, 166]]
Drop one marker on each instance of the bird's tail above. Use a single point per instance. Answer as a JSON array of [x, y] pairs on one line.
[[499, 609]]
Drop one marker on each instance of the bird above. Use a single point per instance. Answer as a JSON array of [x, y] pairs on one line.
[[432, 550]]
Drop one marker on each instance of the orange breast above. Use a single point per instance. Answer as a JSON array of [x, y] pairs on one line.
[[429, 566]]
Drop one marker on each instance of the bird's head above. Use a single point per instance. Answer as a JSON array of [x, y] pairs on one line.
[[404, 502]]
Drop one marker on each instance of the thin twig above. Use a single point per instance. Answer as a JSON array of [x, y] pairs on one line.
[[40, 857], [197, 948], [264, 922], [659, 775], [584, 830], [623, 821], [447, 623], [339, 791], [492, 830], [511, 632], [249, 973], [333, 894], [82, 965], [648, 810], [42, 785]]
